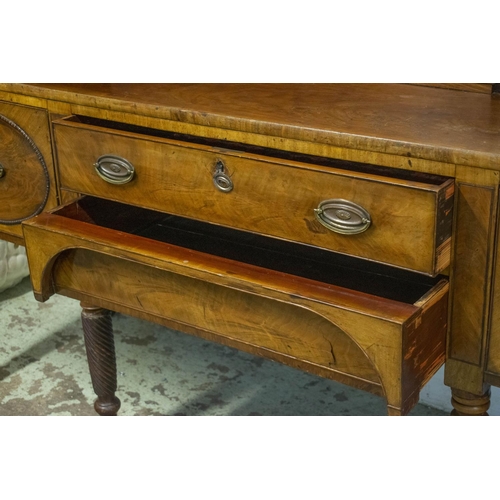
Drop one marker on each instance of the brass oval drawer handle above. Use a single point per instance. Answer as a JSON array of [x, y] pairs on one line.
[[114, 169], [221, 179], [2, 171], [342, 216]]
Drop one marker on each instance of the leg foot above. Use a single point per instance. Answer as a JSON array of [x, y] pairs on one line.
[[467, 404], [394, 412], [99, 342]]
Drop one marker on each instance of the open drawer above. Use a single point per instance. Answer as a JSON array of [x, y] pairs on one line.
[[396, 217], [371, 326]]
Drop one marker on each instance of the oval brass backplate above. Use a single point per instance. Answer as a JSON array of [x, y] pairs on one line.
[[342, 216], [114, 169]]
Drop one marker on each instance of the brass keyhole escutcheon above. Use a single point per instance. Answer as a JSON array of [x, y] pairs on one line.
[[221, 179]]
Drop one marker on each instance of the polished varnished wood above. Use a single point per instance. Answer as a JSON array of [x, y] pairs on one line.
[[100, 347], [377, 344], [450, 132], [411, 216], [468, 404], [492, 375], [414, 121], [484, 88], [468, 347], [471, 274], [27, 184]]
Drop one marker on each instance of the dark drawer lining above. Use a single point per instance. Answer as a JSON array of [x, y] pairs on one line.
[[265, 252]]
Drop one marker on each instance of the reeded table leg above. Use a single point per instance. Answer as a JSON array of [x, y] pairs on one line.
[[467, 404], [99, 342]]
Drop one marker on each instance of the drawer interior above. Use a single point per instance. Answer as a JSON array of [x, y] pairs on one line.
[[268, 253]]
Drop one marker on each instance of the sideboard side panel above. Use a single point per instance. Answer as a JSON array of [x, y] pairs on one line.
[[493, 355], [475, 209]]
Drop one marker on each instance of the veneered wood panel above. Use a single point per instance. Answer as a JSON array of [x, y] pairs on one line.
[[50, 234], [493, 360], [483, 88], [472, 259], [411, 221], [424, 348], [430, 123], [272, 325], [28, 182], [197, 289]]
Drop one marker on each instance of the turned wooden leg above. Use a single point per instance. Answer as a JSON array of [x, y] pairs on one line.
[[467, 404], [100, 345]]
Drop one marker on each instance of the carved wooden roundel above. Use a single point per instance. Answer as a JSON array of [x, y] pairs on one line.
[[24, 178]]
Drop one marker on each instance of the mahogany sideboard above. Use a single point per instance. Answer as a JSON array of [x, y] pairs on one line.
[[349, 230]]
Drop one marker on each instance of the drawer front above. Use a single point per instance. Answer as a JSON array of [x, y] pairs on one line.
[[375, 343], [410, 222], [26, 170]]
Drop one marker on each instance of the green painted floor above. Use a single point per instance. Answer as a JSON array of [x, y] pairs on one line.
[[43, 370]]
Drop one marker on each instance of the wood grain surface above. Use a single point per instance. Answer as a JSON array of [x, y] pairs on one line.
[[418, 128], [23, 186], [424, 122], [271, 196], [346, 334]]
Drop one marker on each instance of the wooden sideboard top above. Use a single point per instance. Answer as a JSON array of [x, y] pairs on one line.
[[422, 122]]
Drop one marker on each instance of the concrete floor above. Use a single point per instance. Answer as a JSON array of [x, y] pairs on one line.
[[43, 370]]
